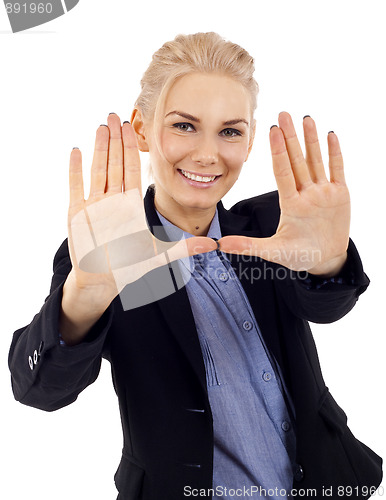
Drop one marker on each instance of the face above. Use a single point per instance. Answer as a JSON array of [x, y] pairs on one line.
[[205, 139]]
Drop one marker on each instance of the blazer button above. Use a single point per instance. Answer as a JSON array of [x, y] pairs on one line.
[[299, 473]]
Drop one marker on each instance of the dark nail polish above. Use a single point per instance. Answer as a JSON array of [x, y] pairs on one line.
[[331, 132], [112, 113], [306, 116], [103, 125], [126, 121], [74, 148], [272, 127]]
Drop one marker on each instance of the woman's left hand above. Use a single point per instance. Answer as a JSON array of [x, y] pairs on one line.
[[313, 230]]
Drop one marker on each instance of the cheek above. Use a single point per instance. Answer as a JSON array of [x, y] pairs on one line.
[[175, 148], [234, 155]]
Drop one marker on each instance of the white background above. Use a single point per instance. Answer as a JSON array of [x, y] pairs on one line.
[[58, 83]]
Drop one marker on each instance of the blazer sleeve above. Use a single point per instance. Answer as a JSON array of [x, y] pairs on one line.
[[44, 373], [324, 301]]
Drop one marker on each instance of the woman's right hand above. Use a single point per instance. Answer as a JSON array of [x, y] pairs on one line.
[[109, 240], [115, 169]]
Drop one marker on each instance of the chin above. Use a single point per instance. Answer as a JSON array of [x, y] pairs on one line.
[[196, 201]]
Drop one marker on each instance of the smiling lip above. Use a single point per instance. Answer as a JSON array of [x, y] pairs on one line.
[[199, 184]]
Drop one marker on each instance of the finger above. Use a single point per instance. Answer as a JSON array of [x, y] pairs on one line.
[[272, 249], [200, 244], [282, 170], [115, 157], [76, 178], [189, 246], [295, 154], [242, 245], [99, 162], [313, 154], [131, 159], [336, 159], [265, 248]]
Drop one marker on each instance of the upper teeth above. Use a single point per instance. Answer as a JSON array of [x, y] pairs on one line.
[[198, 178]]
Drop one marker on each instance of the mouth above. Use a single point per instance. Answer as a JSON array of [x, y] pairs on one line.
[[198, 179]]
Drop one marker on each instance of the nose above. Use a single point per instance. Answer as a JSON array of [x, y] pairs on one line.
[[206, 153]]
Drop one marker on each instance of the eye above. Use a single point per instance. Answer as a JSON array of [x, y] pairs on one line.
[[230, 132], [184, 127]]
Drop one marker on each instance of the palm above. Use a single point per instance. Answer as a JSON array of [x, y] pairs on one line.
[[109, 240], [313, 229], [313, 226]]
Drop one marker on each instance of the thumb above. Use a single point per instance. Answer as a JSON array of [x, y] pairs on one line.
[[274, 249], [190, 246], [264, 248]]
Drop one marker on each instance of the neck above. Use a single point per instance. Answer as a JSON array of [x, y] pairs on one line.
[[195, 221]]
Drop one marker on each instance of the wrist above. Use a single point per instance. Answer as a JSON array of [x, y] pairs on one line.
[[330, 268], [81, 308]]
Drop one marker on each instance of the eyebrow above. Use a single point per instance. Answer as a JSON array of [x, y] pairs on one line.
[[192, 118]]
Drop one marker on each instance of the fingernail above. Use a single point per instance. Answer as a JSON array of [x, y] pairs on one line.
[[74, 148], [103, 125], [112, 113], [331, 132], [126, 121], [306, 116], [272, 127]]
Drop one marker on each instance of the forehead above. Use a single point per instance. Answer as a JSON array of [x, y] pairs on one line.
[[209, 95]]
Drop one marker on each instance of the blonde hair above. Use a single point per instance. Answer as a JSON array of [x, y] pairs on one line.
[[198, 52]]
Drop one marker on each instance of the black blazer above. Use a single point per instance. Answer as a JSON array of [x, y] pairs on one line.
[[159, 375]]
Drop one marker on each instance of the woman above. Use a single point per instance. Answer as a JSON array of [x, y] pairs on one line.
[[213, 361]]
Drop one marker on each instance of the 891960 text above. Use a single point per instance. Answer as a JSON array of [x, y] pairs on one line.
[[31, 8], [358, 491]]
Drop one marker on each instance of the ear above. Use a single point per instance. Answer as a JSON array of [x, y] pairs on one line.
[[139, 129], [251, 139]]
